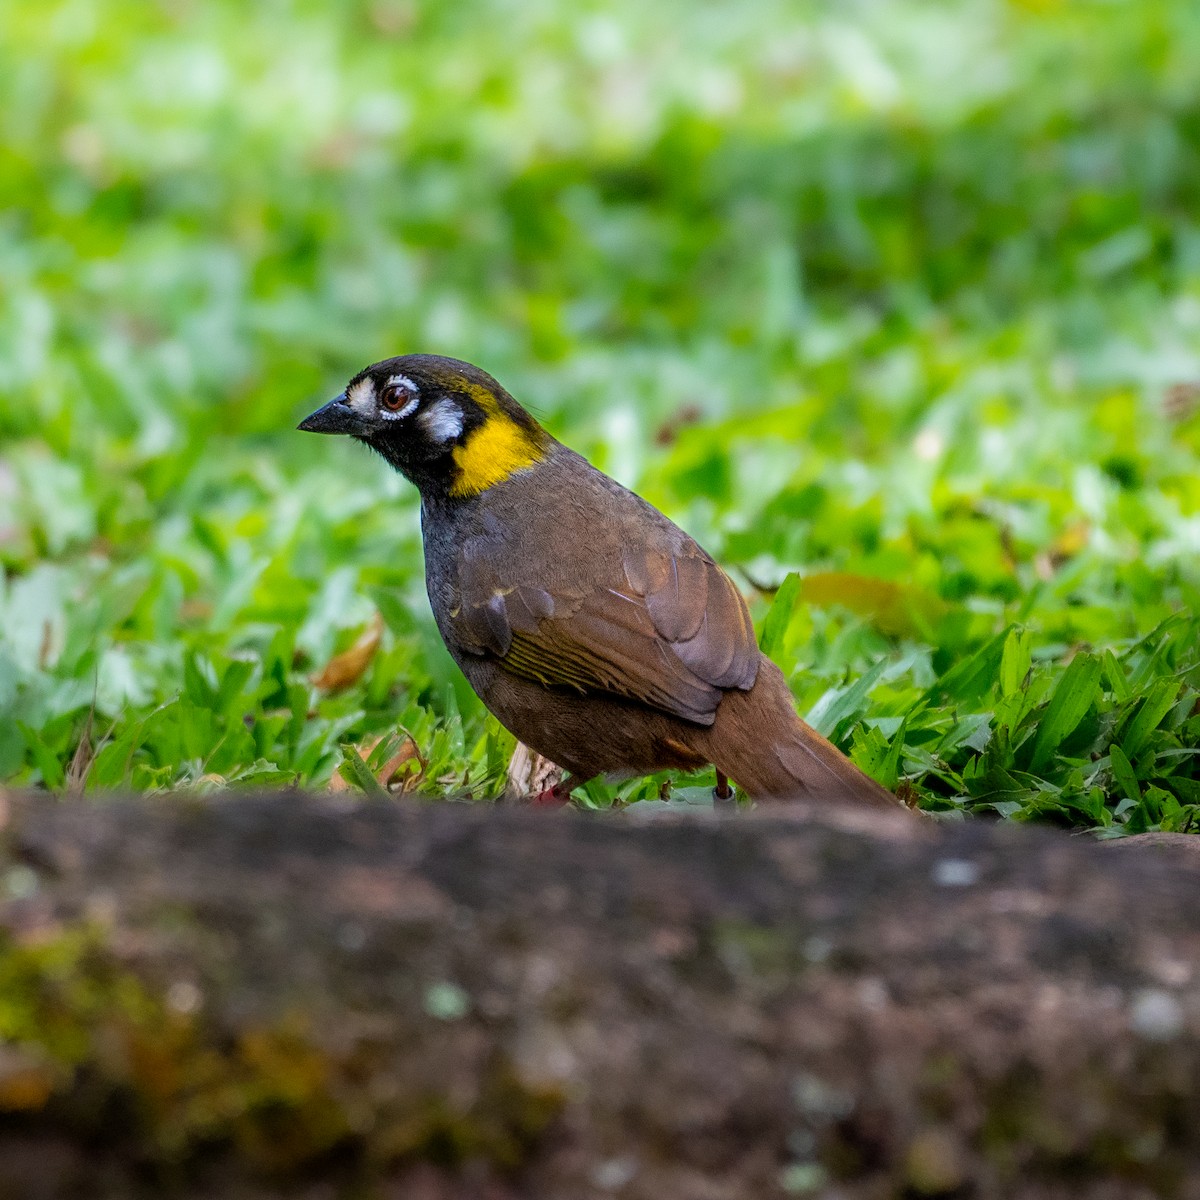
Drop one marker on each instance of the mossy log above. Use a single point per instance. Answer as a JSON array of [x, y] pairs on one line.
[[260, 996]]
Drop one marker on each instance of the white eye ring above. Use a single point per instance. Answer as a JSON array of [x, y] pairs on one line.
[[400, 381], [388, 415]]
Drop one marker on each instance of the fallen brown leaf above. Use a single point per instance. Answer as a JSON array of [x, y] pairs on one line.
[[406, 752], [895, 608], [1181, 400], [387, 774], [46, 650], [346, 668], [669, 430], [339, 783], [195, 610]]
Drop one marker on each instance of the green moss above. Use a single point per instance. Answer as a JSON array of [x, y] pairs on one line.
[[1024, 1136], [749, 949], [56, 993], [93, 1039]]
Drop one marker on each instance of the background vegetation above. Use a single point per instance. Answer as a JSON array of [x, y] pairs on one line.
[[896, 305]]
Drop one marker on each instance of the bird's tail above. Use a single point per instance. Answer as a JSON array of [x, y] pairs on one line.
[[760, 743]]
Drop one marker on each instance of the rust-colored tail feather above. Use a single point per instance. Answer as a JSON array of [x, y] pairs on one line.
[[760, 742]]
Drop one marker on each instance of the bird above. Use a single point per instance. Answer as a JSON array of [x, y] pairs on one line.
[[597, 631]]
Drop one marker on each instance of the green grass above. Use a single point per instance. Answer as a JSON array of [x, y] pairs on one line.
[[894, 305]]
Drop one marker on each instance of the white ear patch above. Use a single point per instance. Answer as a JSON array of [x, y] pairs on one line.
[[361, 396], [442, 421]]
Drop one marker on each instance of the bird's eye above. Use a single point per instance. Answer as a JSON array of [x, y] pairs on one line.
[[394, 398]]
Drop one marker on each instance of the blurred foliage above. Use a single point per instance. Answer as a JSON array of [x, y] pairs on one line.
[[896, 305]]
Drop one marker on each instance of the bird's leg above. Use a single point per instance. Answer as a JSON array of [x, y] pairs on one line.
[[722, 793], [555, 796], [534, 779]]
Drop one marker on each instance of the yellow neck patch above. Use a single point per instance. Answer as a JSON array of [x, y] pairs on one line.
[[497, 449]]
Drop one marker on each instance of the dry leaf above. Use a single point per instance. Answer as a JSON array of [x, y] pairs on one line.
[[346, 668], [1181, 400], [406, 752], [387, 774], [392, 19], [81, 760], [668, 432], [46, 650], [195, 610], [338, 782], [895, 608]]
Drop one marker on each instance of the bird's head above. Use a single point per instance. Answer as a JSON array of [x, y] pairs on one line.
[[446, 425]]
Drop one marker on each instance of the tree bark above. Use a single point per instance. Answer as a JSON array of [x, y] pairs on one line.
[[260, 996]]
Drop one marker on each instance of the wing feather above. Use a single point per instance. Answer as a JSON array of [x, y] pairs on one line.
[[673, 634]]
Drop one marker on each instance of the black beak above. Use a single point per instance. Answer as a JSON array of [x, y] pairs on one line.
[[336, 417]]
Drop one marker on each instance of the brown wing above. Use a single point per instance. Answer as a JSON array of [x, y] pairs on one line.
[[671, 633]]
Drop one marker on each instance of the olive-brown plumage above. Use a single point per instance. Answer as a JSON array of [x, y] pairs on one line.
[[597, 631]]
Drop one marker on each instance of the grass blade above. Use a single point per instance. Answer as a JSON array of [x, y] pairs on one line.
[[1072, 698]]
